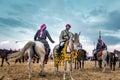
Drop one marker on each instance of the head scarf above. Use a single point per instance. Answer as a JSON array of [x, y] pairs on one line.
[[100, 41], [42, 27]]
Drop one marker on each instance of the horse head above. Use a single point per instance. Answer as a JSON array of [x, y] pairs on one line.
[[74, 41]]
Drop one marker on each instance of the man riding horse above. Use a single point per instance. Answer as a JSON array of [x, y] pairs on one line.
[[100, 46], [41, 35], [65, 35]]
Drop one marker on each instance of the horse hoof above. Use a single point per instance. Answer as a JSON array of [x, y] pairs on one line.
[[1, 66], [103, 71], [30, 79], [113, 69], [1, 77], [72, 79], [55, 73], [80, 69], [42, 75]]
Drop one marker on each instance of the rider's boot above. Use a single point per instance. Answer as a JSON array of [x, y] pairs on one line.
[[46, 56]]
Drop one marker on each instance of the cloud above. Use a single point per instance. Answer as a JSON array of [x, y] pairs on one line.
[[104, 21], [19, 20], [4, 42], [10, 22], [110, 40], [114, 18], [9, 44], [99, 10], [112, 47]]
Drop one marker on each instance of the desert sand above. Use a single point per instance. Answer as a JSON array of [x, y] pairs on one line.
[[20, 72]]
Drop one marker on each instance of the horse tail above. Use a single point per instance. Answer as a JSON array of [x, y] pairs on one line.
[[20, 54]]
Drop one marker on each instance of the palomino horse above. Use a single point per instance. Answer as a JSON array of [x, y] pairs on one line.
[[66, 56], [81, 57], [35, 48]]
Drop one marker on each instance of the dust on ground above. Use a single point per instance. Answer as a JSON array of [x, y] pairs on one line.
[[20, 72]]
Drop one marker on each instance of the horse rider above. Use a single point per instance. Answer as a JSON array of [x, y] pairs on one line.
[[100, 46], [41, 36], [65, 35]]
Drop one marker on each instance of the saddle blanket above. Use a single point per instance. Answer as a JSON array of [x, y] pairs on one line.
[[99, 54]]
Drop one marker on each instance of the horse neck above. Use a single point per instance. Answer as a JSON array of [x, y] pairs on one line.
[[76, 41], [68, 46], [77, 44]]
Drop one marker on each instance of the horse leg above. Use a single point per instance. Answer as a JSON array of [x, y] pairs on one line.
[[80, 64], [100, 63], [114, 64], [23, 59], [119, 64], [114, 67], [83, 64], [34, 60], [16, 60], [95, 60], [71, 70], [7, 61], [19, 60], [105, 64], [110, 64], [2, 62], [95, 63], [65, 68], [55, 66], [41, 62], [75, 64], [29, 66], [37, 60]]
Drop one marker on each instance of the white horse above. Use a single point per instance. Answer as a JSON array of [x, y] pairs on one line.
[[69, 45], [35, 48], [102, 58]]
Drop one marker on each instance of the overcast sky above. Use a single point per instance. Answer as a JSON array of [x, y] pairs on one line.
[[20, 19]]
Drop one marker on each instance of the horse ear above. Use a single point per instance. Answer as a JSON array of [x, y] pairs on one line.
[[79, 33]]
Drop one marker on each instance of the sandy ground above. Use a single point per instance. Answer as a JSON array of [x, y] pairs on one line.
[[20, 72]]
